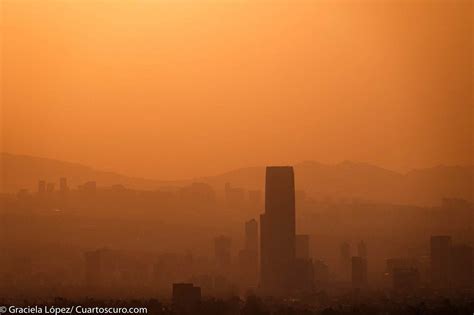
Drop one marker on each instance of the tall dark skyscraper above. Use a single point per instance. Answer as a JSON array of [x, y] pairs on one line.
[[277, 231]]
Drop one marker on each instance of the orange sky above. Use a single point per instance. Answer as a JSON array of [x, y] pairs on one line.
[[175, 89]]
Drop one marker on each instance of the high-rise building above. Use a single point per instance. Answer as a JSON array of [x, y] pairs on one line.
[[359, 272], [251, 235], [440, 256], [302, 246], [277, 231]]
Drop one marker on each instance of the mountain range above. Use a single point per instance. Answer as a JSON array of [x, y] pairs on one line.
[[348, 179]]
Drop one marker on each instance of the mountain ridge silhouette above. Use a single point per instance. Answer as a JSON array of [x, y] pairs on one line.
[[347, 179]]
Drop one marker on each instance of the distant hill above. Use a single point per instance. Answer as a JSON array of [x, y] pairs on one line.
[[366, 182], [343, 180]]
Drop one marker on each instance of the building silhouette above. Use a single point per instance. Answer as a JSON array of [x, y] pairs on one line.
[[277, 230]]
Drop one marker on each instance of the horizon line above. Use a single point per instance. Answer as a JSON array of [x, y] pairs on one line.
[[302, 162]]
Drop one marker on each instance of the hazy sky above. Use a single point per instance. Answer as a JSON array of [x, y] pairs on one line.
[[175, 89]]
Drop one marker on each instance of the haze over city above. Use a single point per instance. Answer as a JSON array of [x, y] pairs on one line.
[[236, 157], [159, 89]]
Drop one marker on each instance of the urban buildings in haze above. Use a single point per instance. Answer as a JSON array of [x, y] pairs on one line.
[[287, 268]]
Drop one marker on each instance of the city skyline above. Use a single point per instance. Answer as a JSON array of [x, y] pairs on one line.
[[207, 157], [316, 179], [235, 168], [290, 264]]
